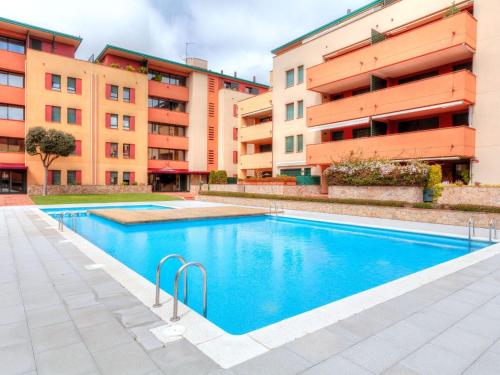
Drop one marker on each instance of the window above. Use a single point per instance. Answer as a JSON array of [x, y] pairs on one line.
[[170, 79], [126, 122], [290, 74], [113, 94], [126, 151], [171, 105], [71, 85], [11, 79], [251, 90], [126, 178], [113, 150], [12, 45], [289, 111], [10, 112], [113, 178], [165, 129], [166, 154], [231, 85], [126, 94], [291, 172], [418, 77], [71, 116], [336, 97], [265, 148], [235, 134], [54, 177], [307, 171], [300, 143], [289, 144], [460, 119], [300, 109], [466, 65], [235, 157], [55, 114], [338, 135], [113, 121], [56, 82], [36, 44], [72, 178], [300, 74], [361, 132], [11, 144], [360, 91], [417, 125]]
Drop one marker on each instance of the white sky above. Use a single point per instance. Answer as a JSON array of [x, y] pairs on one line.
[[233, 35]]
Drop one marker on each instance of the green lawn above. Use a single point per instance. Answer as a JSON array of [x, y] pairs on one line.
[[100, 198]]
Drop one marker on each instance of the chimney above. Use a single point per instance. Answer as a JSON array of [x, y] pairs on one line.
[[254, 78], [222, 71], [235, 74], [199, 63], [348, 11]]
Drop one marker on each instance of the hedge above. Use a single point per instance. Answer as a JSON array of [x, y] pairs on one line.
[[278, 178], [217, 177]]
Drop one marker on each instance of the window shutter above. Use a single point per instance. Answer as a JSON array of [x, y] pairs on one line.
[[108, 120], [78, 177], [235, 110], [132, 178], [79, 86], [48, 113], [132, 123], [235, 134], [108, 149], [235, 157], [108, 91], [108, 178], [48, 81], [50, 178], [78, 148], [132, 95], [78, 116], [132, 152]]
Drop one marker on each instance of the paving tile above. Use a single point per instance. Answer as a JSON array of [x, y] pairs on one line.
[[54, 336], [433, 320], [119, 302], [78, 301], [106, 335], [471, 296], [488, 364], [37, 300], [67, 360], [407, 335], [181, 357], [400, 369], [336, 365], [108, 288], [489, 310], [136, 315], [277, 361], [463, 343], [71, 288], [452, 306], [145, 337], [363, 325], [124, 359], [16, 359], [320, 345], [13, 334], [480, 325], [47, 316], [91, 315], [11, 314]]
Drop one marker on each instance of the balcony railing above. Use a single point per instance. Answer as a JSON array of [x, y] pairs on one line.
[[168, 141], [256, 132], [458, 88], [12, 61], [261, 160], [256, 105], [438, 43], [12, 95], [168, 117], [164, 90], [12, 129], [450, 142]]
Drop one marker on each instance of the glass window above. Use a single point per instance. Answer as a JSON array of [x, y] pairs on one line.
[[126, 178], [251, 90], [10, 112], [11, 79], [171, 105], [126, 94], [300, 74], [300, 109], [114, 92], [126, 122], [300, 143], [418, 125], [289, 111], [460, 119], [71, 85], [361, 132], [36, 44], [265, 148], [166, 154], [11, 144], [170, 79], [165, 129], [126, 151], [338, 135], [56, 82], [289, 144], [113, 178], [71, 178], [12, 45], [113, 150], [113, 121], [56, 178], [56, 114], [231, 85], [71, 116], [290, 74]]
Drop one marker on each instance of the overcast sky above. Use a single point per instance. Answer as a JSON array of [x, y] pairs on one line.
[[232, 35]]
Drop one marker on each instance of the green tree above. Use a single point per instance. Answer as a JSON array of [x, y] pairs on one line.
[[49, 145]]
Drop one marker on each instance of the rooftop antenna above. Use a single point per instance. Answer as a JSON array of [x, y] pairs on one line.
[[187, 44]]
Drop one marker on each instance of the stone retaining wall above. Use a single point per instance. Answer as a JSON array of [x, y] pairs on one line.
[[483, 196], [410, 194], [286, 190], [88, 189], [449, 217]]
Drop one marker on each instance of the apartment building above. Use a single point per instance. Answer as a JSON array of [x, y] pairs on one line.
[[399, 79], [136, 118]]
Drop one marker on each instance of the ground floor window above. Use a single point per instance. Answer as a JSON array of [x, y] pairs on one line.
[[12, 181]]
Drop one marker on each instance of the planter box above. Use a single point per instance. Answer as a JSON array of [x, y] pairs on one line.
[[411, 194], [88, 189], [222, 187], [281, 183], [267, 188], [483, 196]]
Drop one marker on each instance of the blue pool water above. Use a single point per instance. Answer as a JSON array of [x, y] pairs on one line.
[[264, 269], [54, 210]]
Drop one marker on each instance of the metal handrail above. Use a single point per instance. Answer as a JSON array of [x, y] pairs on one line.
[[61, 222], [472, 227], [175, 317], [492, 228], [158, 269], [73, 215]]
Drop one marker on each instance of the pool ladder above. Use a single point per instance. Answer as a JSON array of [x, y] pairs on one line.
[[183, 268], [492, 229], [73, 216], [274, 208]]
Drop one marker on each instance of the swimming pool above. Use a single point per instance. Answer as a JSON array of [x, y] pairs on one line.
[[58, 210], [264, 269]]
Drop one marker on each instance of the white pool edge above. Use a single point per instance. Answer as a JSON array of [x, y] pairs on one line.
[[228, 350]]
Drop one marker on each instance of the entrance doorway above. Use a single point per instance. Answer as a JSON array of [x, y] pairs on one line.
[[12, 181], [169, 182]]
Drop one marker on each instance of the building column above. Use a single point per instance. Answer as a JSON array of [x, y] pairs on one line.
[[324, 183]]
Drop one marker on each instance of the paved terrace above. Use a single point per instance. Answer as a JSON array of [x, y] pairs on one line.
[[59, 316]]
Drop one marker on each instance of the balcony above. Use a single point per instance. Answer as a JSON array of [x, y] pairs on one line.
[[425, 97], [435, 44], [12, 95], [12, 129], [12, 61], [261, 160], [167, 164], [164, 90], [12, 157], [258, 104], [451, 142], [167, 141], [168, 117], [257, 132]]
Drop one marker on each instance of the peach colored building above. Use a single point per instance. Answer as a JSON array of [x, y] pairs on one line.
[[136, 118], [405, 79]]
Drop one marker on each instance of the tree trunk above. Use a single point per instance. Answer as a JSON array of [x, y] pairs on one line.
[[45, 180]]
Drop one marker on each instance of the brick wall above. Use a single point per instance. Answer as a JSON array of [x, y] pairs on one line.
[[483, 196], [88, 189], [409, 194]]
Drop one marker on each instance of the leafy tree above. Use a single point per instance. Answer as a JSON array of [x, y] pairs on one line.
[[49, 145]]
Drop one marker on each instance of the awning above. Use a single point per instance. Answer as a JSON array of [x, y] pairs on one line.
[[174, 171], [13, 166], [340, 124]]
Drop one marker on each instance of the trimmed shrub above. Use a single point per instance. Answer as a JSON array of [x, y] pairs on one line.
[[434, 181], [217, 177]]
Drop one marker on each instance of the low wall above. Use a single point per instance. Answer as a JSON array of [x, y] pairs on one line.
[[233, 188], [435, 216], [88, 189], [476, 195], [274, 189], [410, 194]]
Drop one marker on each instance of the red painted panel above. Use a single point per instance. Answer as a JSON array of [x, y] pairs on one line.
[[132, 123], [50, 178], [108, 91], [78, 116], [108, 120], [48, 113], [108, 149], [48, 81], [132, 177], [132, 151], [235, 157], [132, 95], [78, 148], [78, 86], [108, 178], [235, 134], [79, 177]]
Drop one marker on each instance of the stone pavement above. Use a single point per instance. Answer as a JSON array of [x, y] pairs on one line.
[[59, 317], [15, 200]]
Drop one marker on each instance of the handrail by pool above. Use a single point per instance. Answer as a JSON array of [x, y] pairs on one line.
[[472, 228], [175, 317], [158, 271], [492, 228]]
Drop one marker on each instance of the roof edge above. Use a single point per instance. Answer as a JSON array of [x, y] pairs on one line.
[[42, 29]]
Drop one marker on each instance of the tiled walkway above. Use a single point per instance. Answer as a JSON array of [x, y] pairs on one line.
[[59, 317], [15, 200]]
